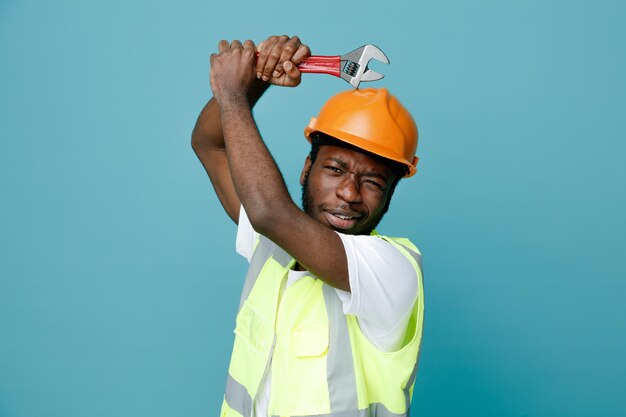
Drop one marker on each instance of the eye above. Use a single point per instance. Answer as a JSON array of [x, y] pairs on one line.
[[333, 169], [374, 184]]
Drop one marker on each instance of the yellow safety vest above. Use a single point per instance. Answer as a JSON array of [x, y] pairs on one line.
[[322, 364]]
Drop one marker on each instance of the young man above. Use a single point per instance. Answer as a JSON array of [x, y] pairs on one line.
[[330, 319]]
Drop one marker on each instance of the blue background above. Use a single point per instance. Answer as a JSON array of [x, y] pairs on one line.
[[118, 276]]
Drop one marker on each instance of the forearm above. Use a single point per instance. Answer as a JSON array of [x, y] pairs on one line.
[[208, 144], [207, 133], [256, 177]]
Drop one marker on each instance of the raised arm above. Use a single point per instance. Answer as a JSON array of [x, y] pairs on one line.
[[207, 139], [256, 177]]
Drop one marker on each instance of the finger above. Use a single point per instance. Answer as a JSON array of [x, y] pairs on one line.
[[249, 44], [236, 44], [289, 48], [223, 46], [264, 49], [301, 54], [272, 61], [249, 50], [294, 76]]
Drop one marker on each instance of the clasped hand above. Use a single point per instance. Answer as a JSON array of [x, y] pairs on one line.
[[236, 66]]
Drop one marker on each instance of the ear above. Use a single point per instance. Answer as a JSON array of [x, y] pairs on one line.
[[305, 170]]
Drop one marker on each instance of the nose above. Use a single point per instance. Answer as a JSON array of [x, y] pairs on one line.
[[349, 190]]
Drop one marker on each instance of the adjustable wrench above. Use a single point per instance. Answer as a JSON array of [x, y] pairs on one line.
[[352, 66]]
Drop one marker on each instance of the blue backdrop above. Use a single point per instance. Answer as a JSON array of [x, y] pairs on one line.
[[118, 276]]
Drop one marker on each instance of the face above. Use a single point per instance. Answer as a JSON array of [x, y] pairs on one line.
[[346, 190]]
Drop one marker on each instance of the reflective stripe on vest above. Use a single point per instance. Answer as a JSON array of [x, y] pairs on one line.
[[341, 378], [339, 363], [264, 250]]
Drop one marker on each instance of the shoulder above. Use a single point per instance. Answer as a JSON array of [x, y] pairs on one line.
[[384, 286], [383, 250], [379, 268], [407, 248]]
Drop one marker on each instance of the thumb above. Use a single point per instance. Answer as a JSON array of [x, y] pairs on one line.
[[293, 74]]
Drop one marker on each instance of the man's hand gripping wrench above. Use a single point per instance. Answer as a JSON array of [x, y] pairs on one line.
[[352, 66]]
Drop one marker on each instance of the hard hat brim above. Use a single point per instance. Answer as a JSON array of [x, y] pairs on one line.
[[366, 145]]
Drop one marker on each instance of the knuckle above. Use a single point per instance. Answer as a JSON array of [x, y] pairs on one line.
[[275, 55]]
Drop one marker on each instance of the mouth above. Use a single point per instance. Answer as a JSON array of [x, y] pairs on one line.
[[342, 221]]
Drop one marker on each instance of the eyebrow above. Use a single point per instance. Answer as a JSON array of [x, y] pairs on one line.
[[374, 174]]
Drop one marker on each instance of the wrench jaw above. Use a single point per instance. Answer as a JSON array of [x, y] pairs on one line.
[[371, 75], [354, 65]]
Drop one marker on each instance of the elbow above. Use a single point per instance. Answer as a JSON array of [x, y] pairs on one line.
[[265, 218], [195, 141], [261, 218]]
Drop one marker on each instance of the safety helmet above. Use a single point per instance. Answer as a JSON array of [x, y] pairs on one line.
[[371, 119]]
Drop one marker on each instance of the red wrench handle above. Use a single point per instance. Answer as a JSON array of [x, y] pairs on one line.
[[320, 64]]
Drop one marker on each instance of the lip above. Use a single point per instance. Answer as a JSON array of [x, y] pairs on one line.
[[338, 222]]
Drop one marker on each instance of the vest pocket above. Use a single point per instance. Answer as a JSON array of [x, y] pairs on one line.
[[250, 327], [310, 341], [299, 373]]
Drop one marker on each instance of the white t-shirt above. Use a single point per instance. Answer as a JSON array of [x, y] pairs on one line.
[[383, 290]]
